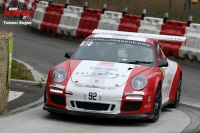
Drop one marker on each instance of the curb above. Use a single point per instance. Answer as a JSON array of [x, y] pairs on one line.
[[29, 82], [25, 107]]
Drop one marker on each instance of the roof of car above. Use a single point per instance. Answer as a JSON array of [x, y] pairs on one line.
[[121, 37]]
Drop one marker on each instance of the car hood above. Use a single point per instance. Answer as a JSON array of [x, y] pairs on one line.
[[103, 74]]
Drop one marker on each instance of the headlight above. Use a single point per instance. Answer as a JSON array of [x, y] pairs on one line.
[[139, 82], [59, 75]]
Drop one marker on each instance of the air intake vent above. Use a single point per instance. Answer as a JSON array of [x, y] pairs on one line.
[[58, 99], [131, 106]]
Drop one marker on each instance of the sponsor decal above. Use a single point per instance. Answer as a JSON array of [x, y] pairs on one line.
[[164, 89], [25, 15], [86, 43], [162, 70], [109, 64], [108, 75], [148, 105], [133, 92], [171, 72], [154, 74], [169, 81], [15, 12], [103, 68]]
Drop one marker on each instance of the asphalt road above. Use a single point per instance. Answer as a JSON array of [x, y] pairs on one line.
[[36, 120], [44, 51]]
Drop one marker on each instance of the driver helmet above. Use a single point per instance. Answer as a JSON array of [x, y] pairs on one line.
[[102, 51]]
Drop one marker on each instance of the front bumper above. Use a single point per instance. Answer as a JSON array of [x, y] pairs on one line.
[[144, 116]]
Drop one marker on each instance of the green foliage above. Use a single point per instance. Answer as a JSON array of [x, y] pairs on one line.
[[19, 71]]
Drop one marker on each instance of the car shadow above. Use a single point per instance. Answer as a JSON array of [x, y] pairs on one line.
[[99, 121]]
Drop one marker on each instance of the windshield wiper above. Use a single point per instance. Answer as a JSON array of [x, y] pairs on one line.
[[135, 62]]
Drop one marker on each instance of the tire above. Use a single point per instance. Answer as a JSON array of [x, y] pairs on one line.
[[45, 95], [178, 93], [157, 105]]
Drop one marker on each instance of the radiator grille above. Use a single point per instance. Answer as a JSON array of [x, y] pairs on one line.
[[92, 106]]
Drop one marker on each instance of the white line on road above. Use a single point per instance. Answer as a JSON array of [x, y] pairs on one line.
[[14, 95]]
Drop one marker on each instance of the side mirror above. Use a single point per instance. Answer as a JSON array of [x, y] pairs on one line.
[[68, 54], [162, 63]]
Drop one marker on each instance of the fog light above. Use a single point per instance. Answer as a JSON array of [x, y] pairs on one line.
[[135, 97], [57, 90]]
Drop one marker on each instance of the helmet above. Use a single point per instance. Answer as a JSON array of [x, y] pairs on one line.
[[139, 53], [102, 51]]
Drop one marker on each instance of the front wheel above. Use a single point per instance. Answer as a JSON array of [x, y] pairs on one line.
[[178, 93], [45, 94], [157, 105]]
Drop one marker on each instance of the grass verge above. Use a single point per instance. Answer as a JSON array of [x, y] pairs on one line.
[[19, 71]]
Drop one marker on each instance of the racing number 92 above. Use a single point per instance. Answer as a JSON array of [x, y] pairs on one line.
[[92, 96]]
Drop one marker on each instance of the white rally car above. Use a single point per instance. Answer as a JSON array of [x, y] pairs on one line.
[[115, 74]]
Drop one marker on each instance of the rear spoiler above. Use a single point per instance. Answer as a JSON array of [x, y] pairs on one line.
[[144, 35]]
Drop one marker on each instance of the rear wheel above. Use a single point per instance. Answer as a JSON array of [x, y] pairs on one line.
[[178, 93], [157, 105]]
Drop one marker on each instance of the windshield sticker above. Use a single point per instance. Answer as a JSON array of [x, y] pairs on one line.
[[86, 43], [119, 41]]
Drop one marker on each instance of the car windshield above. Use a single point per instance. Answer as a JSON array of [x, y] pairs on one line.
[[115, 50]]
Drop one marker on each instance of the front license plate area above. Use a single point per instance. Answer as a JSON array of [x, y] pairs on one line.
[[93, 95]]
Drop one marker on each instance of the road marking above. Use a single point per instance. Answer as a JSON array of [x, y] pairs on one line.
[[14, 95]]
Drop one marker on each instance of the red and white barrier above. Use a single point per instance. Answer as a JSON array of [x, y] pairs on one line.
[[52, 18], [88, 22], [74, 21], [150, 25], [39, 14], [70, 20], [176, 28], [192, 47], [130, 23], [110, 20]]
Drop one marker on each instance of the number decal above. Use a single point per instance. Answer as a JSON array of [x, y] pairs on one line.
[[93, 95]]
